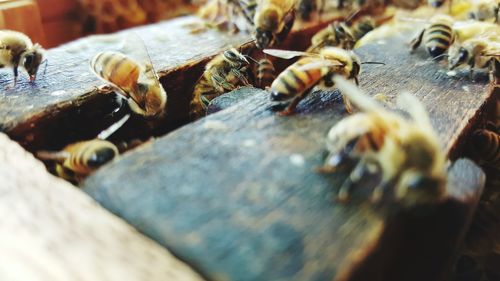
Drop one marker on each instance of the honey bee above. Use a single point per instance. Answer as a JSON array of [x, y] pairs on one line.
[[16, 48], [486, 10], [437, 37], [486, 145], [406, 153], [137, 83], [307, 7], [476, 52], [264, 73], [336, 34], [223, 73], [296, 81], [272, 21], [435, 3], [77, 160], [345, 34]]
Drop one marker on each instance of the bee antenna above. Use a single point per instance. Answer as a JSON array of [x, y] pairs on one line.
[[440, 56], [249, 57], [45, 61], [373, 62], [352, 16], [113, 128]]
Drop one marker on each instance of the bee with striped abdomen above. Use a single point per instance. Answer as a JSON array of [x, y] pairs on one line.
[[272, 21], [437, 37], [223, 73], [77, 160], [313, 69], [345, 34], [485, 10], [405, 153], [137, 83], [486, 145], [476, 52], [264, 73], [17, 49]]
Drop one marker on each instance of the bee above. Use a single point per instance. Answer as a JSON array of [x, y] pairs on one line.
[[485, 10], [272, 21], [486, 145], [476, 52], [77, 160], [307, 7], [406, 153], [336, 34], [223, 73], [435, 3], [16, 48], [137, 83], [296, 81], [345, 34], [437, 37], [264, 73]]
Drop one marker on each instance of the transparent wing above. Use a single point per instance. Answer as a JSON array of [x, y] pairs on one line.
[[284, 54], [319, 64], [135, 48]]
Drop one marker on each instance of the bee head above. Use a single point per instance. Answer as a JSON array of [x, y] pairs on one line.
[[32, 60], [423, 180], [460, 57], [416, 187], [263, 38], [267, 23], [435, 3], [305, 9], [155, 99], [234, 57]]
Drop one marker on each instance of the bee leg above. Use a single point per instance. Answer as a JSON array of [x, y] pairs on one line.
[[471, 74], [347, 105], [493, 71], [288, 20], [354, 177], [334, 163], [378, 191], [416, 42], [240, 75], [16, 74]]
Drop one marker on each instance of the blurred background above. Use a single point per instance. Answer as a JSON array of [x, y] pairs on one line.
[[53, 22]]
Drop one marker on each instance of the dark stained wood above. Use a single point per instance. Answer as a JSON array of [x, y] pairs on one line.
[[234, 194], [67, 87], [258, 213], [51, 231]]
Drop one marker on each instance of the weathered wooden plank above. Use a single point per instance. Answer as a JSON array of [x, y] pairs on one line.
[[62, 106], [67, 87], [259, 212], [238, 187], [52, 231]]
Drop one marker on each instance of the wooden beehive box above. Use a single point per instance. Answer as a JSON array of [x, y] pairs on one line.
[[232, 196]]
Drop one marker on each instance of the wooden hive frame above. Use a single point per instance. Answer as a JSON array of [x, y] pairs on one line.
[[264, 206]]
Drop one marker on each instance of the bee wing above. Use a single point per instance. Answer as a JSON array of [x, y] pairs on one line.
[[284, 54], [135, 48], [319, 64], [56, 156]]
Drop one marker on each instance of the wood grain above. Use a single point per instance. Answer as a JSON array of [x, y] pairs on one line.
[[52, 231], [62, 106], [238, 186]]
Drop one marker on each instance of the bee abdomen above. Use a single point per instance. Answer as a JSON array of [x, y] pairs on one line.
[[487, 145], [265, 73], [116, 68], [438, 39], [87, 156]]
